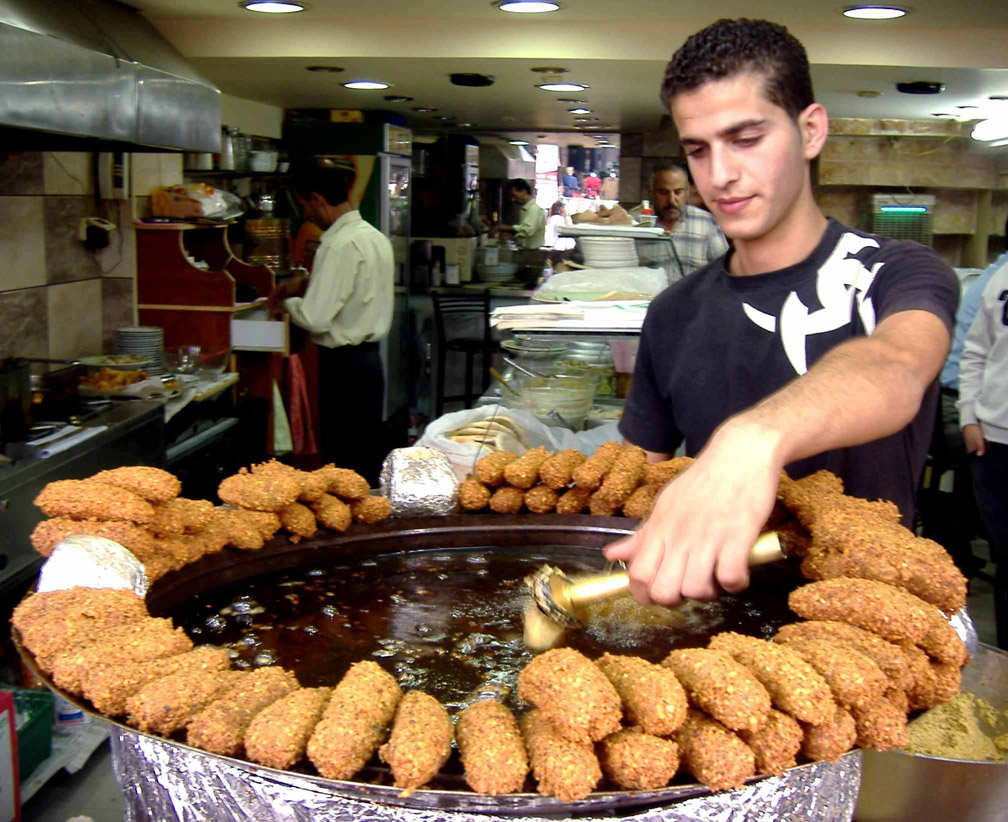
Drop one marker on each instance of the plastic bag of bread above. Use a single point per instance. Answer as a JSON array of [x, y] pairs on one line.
[[195, 200]]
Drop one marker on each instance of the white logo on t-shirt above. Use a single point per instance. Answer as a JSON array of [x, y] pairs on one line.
[[842, 281]]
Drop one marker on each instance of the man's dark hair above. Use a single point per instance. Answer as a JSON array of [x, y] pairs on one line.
[[518, 184], [672, 167], [729, 47], [332, 177]]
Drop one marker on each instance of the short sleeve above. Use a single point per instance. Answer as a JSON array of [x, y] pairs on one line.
[[915, 278]]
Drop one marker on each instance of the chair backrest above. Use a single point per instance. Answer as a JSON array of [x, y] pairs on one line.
[[460, 304]]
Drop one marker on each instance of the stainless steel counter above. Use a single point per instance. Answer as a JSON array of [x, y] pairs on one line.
[[134, 435]]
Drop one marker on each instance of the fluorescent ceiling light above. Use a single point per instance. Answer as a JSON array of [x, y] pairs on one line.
[[273, 6], [999, 143], [528, 6], [896, 209], [874, 12], [991, 129], [562, 86], [518, 142], [579, 110], [367, 85]]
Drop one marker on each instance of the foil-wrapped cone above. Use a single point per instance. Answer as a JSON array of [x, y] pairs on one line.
[[419, 482], [173, 783], [92, 562]]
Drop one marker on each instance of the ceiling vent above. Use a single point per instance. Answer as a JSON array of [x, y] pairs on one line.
[[920, 87], [472, 79]]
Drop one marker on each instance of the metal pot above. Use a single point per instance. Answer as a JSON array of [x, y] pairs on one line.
[[15, 399]]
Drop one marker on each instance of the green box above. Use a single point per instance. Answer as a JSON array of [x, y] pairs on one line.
[[34, 735]]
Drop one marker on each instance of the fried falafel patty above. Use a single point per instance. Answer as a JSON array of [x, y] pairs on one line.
[[54, 622], [220, 727], [599, 506], [355, 721], [890, 612], [87, 499], [278, 735], [473, 495], [573, 501], [830, 740], [948, 681], [420, 742], [51, 532], [661, 473], [641, 502], [507, 500], [722, 687], [181, 516], [923, 692], [795, 687], [626, 474], [573, 693], [651, 694], [259, 492], [715, 756], [776, 744], [524, 472], [298, 520], [166, 705], [491, 748], [312, 484], [592, 471], [638, 761], [345, 483], [370, 509], [890, 658], [239, 529], [145, 639], [941, 642], [153, 484], [881, 725], [333, 513], [853, 678], [490, 469], [541, 499], [108, 687], [562, 768], [556, 471]]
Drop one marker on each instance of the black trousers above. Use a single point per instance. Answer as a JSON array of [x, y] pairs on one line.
[[351, 393], [990, 485]]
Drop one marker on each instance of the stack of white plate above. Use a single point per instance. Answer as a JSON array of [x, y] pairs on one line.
[[145, 341], [609, 252]]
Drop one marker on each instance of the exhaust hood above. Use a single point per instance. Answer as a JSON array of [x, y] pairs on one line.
[[94, 74]]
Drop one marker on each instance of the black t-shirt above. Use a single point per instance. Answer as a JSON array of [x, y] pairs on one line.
[[714, 344]]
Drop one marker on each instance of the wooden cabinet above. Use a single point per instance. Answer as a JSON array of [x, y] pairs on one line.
[[196, 306]]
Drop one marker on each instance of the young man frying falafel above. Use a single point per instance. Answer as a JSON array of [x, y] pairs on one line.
[[809, 345]]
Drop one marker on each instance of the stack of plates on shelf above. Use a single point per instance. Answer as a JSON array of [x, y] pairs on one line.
[[145, 341], [609, 252]]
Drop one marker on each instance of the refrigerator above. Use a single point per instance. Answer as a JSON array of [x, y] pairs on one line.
[[382, 158]]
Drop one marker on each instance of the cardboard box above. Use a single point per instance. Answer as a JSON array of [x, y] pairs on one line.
[[10, 782]]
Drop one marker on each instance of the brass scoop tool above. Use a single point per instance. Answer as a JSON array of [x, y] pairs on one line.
[[558, 601]]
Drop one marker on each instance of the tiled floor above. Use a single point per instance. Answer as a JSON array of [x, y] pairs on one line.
[[93, 791]]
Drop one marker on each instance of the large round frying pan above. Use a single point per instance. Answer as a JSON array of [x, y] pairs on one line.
[[486, 532]]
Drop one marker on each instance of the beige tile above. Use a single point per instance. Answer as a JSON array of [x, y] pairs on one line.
[[146, 173], [75, 319], [21, 172], [22, 243], [67, 259], [24, 323], [67, 172], [171, 169]]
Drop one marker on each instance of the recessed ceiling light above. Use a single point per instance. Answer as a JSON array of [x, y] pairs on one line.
[[584, 119], [365, 85], [518, 142], [999, 143], [273, 6], [466, 125], [570, 100], [869, 93], [941, 114], [998, 97], [562, 86], [528, 6], [447, 117], [423, 109], [990, 129], [965, 108], [579, 110], [330, 69], [398, 98], [874, 12]]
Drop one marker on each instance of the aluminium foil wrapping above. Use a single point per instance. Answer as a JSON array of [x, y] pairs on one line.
[[419, 482], [168, 782], [92, 562]]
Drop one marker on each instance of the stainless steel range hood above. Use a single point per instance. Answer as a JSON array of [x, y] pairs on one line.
[[80, 74]]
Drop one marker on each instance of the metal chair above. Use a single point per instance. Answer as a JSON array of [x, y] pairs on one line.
[[455, 305]]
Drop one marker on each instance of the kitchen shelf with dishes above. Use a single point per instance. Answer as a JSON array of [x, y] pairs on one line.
[[231, 174]]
